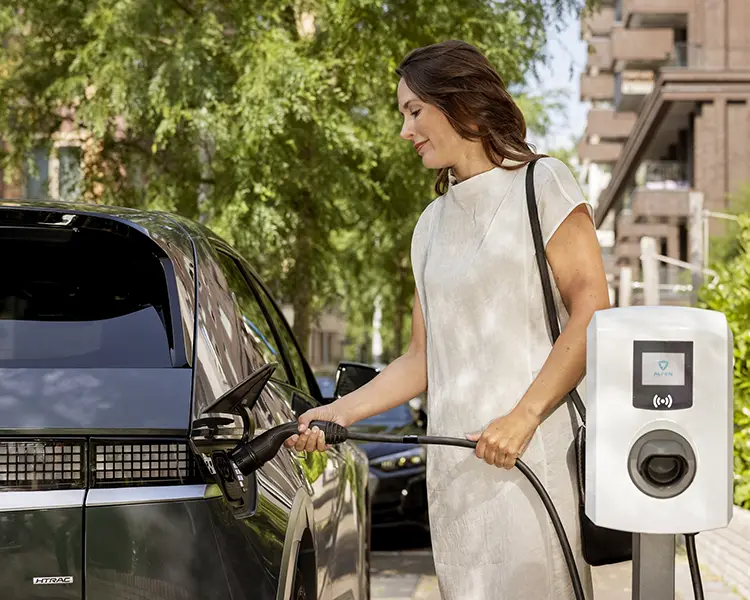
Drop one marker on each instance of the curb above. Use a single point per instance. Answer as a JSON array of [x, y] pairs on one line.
[[427, 589]]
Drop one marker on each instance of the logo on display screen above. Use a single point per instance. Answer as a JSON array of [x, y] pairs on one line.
[[662, 372], [663, 369]]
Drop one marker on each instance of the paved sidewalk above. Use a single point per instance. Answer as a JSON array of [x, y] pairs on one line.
[[410, 575]]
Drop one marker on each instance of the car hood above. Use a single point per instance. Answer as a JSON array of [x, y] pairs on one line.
[[378, 449]]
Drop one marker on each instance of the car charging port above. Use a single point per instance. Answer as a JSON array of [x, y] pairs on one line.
[[224, 470]]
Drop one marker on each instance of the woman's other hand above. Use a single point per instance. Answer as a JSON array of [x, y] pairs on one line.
[[312, 438], [506, 438]]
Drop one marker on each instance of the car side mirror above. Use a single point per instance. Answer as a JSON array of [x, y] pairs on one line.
[[351, 376]]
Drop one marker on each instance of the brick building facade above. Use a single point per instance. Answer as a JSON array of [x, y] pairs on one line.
[[669, 125]]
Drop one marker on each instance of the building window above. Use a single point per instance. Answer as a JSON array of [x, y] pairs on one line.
[[618, 89], [37, 177], [69, 174]]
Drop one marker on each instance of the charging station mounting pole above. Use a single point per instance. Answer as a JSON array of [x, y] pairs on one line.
[[653, 566]]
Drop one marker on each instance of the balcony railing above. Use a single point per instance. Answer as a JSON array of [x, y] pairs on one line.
[[662, 175], [687, 56], [630, 88]]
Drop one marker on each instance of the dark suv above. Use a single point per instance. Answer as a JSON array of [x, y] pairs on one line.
[[127, 341], [398, 488]]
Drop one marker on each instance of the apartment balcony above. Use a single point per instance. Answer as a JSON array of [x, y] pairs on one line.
[[627, 251], [631, 88], [654, 13], [601, 152], [600, 54], [661, 203], [687, 56], [598, 24], [662, 175], [609, 125], [662, 190], [629, 229], [597, 87], [636, 49]]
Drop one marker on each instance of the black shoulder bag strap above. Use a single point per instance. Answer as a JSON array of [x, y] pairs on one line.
[[541, 261], [600, 546]]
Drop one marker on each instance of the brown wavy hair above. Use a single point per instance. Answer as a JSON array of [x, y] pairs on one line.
[[461, 82]]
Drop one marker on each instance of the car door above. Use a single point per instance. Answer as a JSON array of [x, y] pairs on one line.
[[337, 521], [257, 336]]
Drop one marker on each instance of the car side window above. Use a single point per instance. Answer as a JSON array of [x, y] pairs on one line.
[[282, 327], [257, 336]]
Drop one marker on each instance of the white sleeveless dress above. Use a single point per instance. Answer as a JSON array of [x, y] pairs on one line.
[[478, 283]]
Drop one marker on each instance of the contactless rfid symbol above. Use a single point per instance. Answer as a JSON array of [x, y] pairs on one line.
[[659, 402]]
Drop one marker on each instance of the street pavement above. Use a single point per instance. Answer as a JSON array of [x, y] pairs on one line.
[[409, 574]]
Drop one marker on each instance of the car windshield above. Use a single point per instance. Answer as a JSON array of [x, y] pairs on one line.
[[327, 385]]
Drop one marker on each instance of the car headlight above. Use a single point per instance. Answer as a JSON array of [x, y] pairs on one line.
[[414, 457]]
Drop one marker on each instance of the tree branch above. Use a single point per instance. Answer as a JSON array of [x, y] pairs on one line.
[[185, 9]]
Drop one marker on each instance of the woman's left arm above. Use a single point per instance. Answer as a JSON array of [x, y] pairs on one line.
[[574, 255]]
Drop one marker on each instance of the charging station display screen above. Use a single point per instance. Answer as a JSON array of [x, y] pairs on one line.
[[663, 368], [662, 374]]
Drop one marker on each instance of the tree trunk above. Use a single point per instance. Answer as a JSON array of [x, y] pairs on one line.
[[398, 325], [399, 311], [302, 289], [206, 145]]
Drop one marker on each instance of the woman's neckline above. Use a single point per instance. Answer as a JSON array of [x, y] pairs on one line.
[[478, 184]]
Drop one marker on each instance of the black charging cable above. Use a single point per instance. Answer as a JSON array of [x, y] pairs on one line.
[[695, 572], [254, 454]]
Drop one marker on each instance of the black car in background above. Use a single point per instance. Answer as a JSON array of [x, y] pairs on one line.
[[398, 490], [127, 342]]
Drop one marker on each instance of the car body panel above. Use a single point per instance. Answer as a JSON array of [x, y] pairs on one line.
[[181, 541], [42, 543]]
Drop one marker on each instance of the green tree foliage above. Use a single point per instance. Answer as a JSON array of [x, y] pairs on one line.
[[731, 295], [568, 155], [273, 122], [729, 245]]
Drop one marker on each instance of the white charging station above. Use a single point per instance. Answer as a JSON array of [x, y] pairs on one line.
[[658, 431]]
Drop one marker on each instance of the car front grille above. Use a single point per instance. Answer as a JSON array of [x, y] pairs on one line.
[[59, 464], [42, 464]]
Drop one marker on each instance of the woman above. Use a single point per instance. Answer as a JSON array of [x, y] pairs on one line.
[[480, 344]]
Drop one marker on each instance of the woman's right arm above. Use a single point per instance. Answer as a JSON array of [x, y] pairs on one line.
[[399, 382]]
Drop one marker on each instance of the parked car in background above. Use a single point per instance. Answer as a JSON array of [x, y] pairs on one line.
[[326, 384], [127, 339], [398, 490]]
